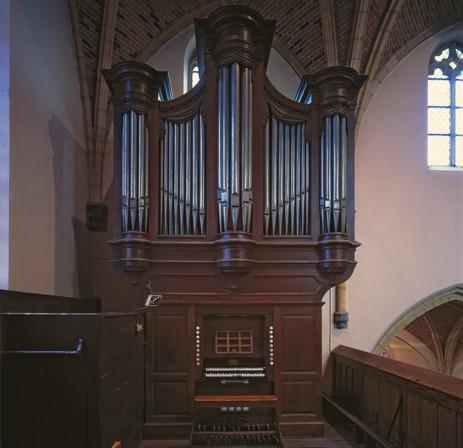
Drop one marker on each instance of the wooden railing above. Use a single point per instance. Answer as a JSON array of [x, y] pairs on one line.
[[393, 404]]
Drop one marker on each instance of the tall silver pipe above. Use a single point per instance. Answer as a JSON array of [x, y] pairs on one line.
[[328, 175], [322, 183], [235, 143], [293, 180], [141, 172], [244, 144], [162, 192], [133, 171], [246, 149], [287, 177], [303, 185], [267, 179], [221, 149], [164, 179], [188, 170], [147, 175], [275, 175], [181, 180], [175, 177], [171, 177], [224, 147], [336, 149], [343, 173], [125, 171], [250, 151], [281, 176], [298, 179], [307, 187], [202, 175], [195, 174]]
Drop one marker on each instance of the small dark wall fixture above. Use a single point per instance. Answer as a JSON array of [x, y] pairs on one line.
[[97, 217]]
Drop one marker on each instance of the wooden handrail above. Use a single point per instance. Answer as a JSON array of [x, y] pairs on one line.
[[391, 403], [438, 382]]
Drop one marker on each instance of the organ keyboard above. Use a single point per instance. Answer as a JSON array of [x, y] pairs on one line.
[[234, 372]]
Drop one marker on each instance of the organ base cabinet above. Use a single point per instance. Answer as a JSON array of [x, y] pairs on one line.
[[252, 364]]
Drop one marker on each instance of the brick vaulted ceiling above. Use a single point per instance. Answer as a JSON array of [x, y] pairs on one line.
[[441, 330], [367, 34]]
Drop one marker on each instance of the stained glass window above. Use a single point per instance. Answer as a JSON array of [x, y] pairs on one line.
[[445, 107]]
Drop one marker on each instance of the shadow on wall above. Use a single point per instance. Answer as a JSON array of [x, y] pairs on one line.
[[72, 239]]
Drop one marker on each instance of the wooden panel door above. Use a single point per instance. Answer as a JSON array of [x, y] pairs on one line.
[[169, 386], [298, 368]]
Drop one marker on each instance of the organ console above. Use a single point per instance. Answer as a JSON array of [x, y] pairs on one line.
[[237, 204]]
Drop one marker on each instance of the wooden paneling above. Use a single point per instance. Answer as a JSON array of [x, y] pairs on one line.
[[400, 403], [82, 400], [171, 398], [297, 357], [298, 367], [299, 397], [121, 380], [171, 343], [169, 368]]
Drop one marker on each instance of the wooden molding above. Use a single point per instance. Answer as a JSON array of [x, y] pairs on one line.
[[329, 32]]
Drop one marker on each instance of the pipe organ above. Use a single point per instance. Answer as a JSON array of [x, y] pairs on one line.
[[237, 205]]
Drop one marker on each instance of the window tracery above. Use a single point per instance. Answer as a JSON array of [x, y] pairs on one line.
[[445, 107]]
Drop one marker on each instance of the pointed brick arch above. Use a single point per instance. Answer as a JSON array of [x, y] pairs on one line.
[[430, 302]]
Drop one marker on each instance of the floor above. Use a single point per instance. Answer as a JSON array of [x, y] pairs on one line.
[[331, 440], [326, 442]]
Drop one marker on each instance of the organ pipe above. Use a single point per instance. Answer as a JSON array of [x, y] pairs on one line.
[[333, 174], [234, 166], [182, 178], [287, 179], [134, 172]]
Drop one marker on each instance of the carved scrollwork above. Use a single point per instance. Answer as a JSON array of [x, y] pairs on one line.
[[185, 107], [284, 108]]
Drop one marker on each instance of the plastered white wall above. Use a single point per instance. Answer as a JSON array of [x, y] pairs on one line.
[[4, 141], [409, 219], [47, 157]]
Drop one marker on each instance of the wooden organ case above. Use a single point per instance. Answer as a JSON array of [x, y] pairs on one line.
[[237, 204]]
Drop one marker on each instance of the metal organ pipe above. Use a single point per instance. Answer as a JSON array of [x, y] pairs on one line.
[[333, 179], [182, 177], [134, 172], [234, 192], [287, 180]]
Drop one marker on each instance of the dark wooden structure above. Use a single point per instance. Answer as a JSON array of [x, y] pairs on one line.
[[70, 379], [237, 204], [393, 404]]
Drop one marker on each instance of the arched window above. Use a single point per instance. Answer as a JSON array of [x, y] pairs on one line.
[[445, 107], [193, 71]]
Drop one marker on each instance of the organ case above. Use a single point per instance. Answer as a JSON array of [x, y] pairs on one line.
[[237, 204]]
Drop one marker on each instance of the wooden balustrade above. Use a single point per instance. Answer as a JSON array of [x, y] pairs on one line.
[[393, 404]]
